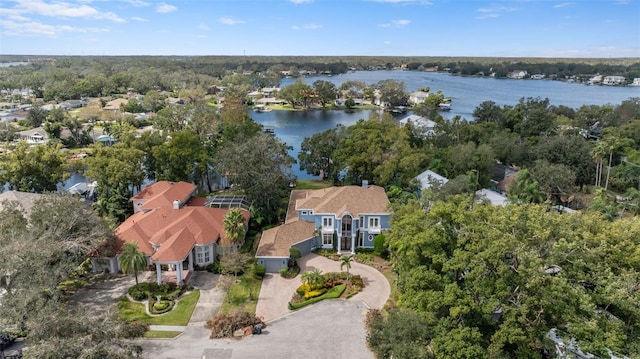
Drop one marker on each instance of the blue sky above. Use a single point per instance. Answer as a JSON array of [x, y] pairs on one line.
[[527, 28]]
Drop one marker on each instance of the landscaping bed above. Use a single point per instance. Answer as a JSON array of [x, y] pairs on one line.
[[318, 286]]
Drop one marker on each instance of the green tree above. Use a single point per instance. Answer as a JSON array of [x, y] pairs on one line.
[[260, 166], [317, 153], [182, 158], [234, 226], [326, 91], [526, 189], [393, 93], [60, 235], [34, 169], [298, 94], [345, 262], [132, 260], [234, 262], [313, 278], [36, 116]]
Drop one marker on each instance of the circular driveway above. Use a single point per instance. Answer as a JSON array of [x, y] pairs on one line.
[[276, 291]]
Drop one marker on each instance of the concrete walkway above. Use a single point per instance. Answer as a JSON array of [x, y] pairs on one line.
[[276, 292]]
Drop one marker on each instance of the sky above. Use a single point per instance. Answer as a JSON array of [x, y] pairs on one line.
[[515, 28]]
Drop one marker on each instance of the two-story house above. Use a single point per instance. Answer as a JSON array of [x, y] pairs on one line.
[[340, 218]]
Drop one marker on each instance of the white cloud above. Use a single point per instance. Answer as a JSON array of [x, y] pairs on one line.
[[230, 21], [137, 3], [402, 22], [164, 8], [297, 2], [140, 19], [387, 43], [396, 23], [11, 28], [61, 9], [564, 4], [204, 27], [493, 12]]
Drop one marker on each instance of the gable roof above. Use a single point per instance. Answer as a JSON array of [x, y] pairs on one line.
[[275, 242], [114, 105], [428, 179], [176, 231], [163, 193], [352, 199]]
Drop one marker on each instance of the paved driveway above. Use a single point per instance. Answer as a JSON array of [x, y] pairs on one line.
[[276, 291], [329, 329]]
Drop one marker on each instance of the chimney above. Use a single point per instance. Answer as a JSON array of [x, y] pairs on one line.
[[176, 204], [365, 184]]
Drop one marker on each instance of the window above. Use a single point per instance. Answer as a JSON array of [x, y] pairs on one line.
[[203, 255], [361, 222], [374, 222], [304, 213], [327, 239], [327, 222], [310, 211]]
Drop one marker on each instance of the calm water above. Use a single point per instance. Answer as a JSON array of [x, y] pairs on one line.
[[466, 92]]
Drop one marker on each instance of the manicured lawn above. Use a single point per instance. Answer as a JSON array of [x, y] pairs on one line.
[[242, 296], [178, 316], [157, 334], [312, 184]]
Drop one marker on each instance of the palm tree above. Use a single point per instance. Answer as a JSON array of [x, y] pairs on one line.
[[313, 278], [598, 153], [234, 226], [132, 260], [345, 261]]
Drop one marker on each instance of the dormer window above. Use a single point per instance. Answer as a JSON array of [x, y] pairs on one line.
[[327, 222]]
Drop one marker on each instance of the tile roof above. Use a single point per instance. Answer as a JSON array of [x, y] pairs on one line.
[[275, 242], [163, 193], [176, 231], [337, 200]]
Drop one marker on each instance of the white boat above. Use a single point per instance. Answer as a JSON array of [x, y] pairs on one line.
[[445, 106]]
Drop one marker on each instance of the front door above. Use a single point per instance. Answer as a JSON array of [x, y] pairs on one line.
[[345, 243]]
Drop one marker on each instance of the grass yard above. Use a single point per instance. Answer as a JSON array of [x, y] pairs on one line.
[[242, 296], [180, 315], [312, 184], [157, 334]]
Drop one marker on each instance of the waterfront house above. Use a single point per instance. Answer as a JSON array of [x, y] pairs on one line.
[[425, 126], [173, 229], [613, 80], [418, 97], [340, 218]]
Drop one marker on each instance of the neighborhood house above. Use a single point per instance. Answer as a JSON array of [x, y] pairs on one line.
[[340, 218], [173, 229]]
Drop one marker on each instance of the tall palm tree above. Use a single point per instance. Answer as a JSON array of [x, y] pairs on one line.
[[234, 226], [345, 261], [132, 260], [598, 154]]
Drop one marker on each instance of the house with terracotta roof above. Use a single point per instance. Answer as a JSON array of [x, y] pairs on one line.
[[173, 229], [340, 218]]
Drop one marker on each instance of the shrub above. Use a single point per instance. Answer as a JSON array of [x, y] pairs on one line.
[[314, 293], [303, 289], [379, 246], [214, 267], [160, 307], [283, 271], [138, 294], [223, 325], [259, 271]]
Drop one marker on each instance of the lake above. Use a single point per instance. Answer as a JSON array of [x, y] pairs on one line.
[[466, 94]]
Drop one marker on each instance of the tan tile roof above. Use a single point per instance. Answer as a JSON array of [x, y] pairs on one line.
[[115, 104], [175, 230], [275, 242], [337, 200], [163, 193]]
